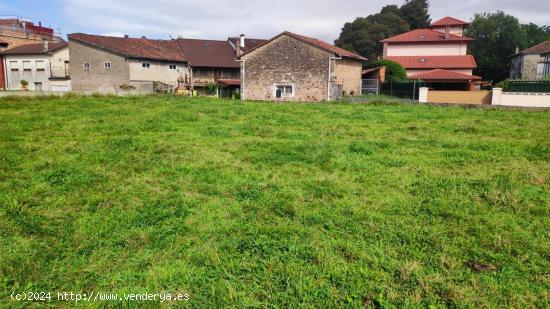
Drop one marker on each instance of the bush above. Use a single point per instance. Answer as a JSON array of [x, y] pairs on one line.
[[24, 84], [394, 71], [505, 85]]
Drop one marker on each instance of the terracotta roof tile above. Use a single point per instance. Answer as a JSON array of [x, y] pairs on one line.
[[443, 75], [451, 21], [208, 53], [161, 50], [425, 35], [541, 48], [317, 43], [34, 49], [435, 62]]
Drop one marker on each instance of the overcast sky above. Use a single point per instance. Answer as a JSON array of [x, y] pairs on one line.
[[217, 19]]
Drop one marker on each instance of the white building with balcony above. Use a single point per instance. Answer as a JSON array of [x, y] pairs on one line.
[[45, 67]]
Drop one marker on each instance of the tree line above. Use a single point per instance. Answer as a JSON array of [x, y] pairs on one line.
[[496, 35]]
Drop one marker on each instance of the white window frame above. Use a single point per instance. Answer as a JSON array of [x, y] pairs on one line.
[[284, 94], [107, 65], [146, 65], [27, 68], [14, 66], [40, 69]]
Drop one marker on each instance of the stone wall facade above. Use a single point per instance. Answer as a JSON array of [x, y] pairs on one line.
[[286, 61], [97, 78], [348, 74], [18, 37], [524, 66]]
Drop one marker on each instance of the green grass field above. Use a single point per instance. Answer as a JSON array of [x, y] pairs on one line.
[[274, 205]]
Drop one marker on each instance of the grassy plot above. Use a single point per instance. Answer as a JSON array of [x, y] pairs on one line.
[[259, 204]]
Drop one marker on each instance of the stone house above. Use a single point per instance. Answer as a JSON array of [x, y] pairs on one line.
[[529, 63], [102, 64], [546, 65], [436, 55], [44, 66], [292, 67]]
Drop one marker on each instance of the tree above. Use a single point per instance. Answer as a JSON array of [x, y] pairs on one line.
[[415, 12], [365, 33], [395, 72], [496, 36], [535, 34]]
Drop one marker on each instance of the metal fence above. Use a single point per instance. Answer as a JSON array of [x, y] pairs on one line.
[[370, 86], [406, 90], [529, 86]]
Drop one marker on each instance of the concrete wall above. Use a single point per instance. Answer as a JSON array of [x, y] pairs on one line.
[[348, 74], [454, 97], [34, 75], [524, 66], [521, 99], [286, 61], [427, 49], [97, 79], [157, 71]]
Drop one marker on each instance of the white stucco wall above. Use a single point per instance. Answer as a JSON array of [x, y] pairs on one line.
[[51, 63], [520, 99], [456, 30], [427, 49], [157, 71]]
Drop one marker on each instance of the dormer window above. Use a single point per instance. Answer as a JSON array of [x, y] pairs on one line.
[[423, 60], [422, 36]]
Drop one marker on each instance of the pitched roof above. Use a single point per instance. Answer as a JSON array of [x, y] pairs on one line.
[[435, 62], [248, 43], [161, 50], [542, 48], [317, 43], [443, 75], [451, 21], [208, 53], [425, 35], [34, 49]]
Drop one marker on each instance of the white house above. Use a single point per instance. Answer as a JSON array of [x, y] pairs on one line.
[[44, 66]]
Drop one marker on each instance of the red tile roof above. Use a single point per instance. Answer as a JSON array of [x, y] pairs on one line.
[[542, 48], [435, 62], [425, 35], [160, 50], [317, 43], [34, 49], [451, 21], [443, 75], [208, 53]]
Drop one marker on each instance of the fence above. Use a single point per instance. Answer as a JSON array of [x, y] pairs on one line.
[[407, 90], [459, 97], [369, 86], [529, 86]]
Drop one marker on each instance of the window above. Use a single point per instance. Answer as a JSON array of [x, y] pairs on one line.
[[107, 65], [38, 86], [145, 65], [284, 91], [40, 66], [173, 67], [26, 66], [14, 65], [86, 66]]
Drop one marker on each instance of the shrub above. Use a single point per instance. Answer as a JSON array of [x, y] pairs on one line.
[[394, 71], [211, 89], [505, 85], [24, 84]]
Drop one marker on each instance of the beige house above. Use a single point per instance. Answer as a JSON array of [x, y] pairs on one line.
[[44, 66], [529, 64], [102, 64], [292, 67]]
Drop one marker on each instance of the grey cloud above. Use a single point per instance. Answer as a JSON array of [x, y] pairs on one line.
[[218, 19]]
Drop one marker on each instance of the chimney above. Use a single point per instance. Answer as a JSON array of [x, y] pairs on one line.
[[126, 36], [46, 45], [39, 24], [447, 32], [517, 49], [143, 37], [241, 43]]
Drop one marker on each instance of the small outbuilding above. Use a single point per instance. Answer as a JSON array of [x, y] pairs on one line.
[[292, 67]]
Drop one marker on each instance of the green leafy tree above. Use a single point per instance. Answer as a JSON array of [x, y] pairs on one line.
[[394, 71], [535, 34], [496, 36], [365, 33], [415, 12]]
